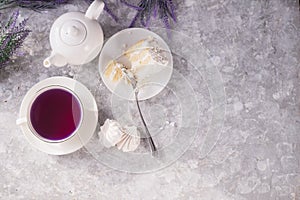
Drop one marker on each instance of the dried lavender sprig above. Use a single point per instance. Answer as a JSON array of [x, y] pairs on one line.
[[145, 16], [106, 8], [141, 7], [130, 5], [150, 8], [36, 5], [132, 23], [12, 36], [8, 28], [172, 9]]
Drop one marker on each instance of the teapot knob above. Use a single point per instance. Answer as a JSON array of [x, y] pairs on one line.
[[73, 31]]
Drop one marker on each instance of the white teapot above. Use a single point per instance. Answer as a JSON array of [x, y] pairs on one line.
[[76, 38]]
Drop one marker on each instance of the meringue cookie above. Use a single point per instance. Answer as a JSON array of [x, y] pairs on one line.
[[130, 140], [112, 134]]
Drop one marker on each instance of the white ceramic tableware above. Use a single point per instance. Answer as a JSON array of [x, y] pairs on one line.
[[76, 38], [116, 46], [83, 132]]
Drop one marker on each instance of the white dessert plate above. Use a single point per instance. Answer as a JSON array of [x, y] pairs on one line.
[[116, 46], [82, 134]]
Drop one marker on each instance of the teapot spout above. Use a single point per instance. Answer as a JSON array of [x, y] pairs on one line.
[[55, 59]]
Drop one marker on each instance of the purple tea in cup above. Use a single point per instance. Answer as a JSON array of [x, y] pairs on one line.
[[55, 114]]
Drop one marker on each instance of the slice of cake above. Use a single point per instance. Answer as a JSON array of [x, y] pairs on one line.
[[146, 52], [113, 71]]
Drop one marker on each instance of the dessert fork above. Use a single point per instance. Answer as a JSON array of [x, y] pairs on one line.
[[133, 81]]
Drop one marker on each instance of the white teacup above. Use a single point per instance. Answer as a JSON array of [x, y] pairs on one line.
[[54, 114], [58, 115]]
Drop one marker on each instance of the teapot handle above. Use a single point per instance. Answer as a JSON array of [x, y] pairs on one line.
[[95, 10]]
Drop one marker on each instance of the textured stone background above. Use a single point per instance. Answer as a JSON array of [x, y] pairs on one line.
[[256, 47]]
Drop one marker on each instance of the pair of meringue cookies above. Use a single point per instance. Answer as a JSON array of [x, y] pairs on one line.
[[146, 58], [125, 138]]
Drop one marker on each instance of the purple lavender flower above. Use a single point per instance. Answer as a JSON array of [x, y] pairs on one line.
[[146, 9], [36, 5], [12, 36]]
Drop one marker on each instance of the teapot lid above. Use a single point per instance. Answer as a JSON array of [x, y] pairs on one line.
[[72, 32], [72, 28]]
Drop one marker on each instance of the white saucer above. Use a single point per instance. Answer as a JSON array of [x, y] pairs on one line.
[[115, 46], [84, 131]]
